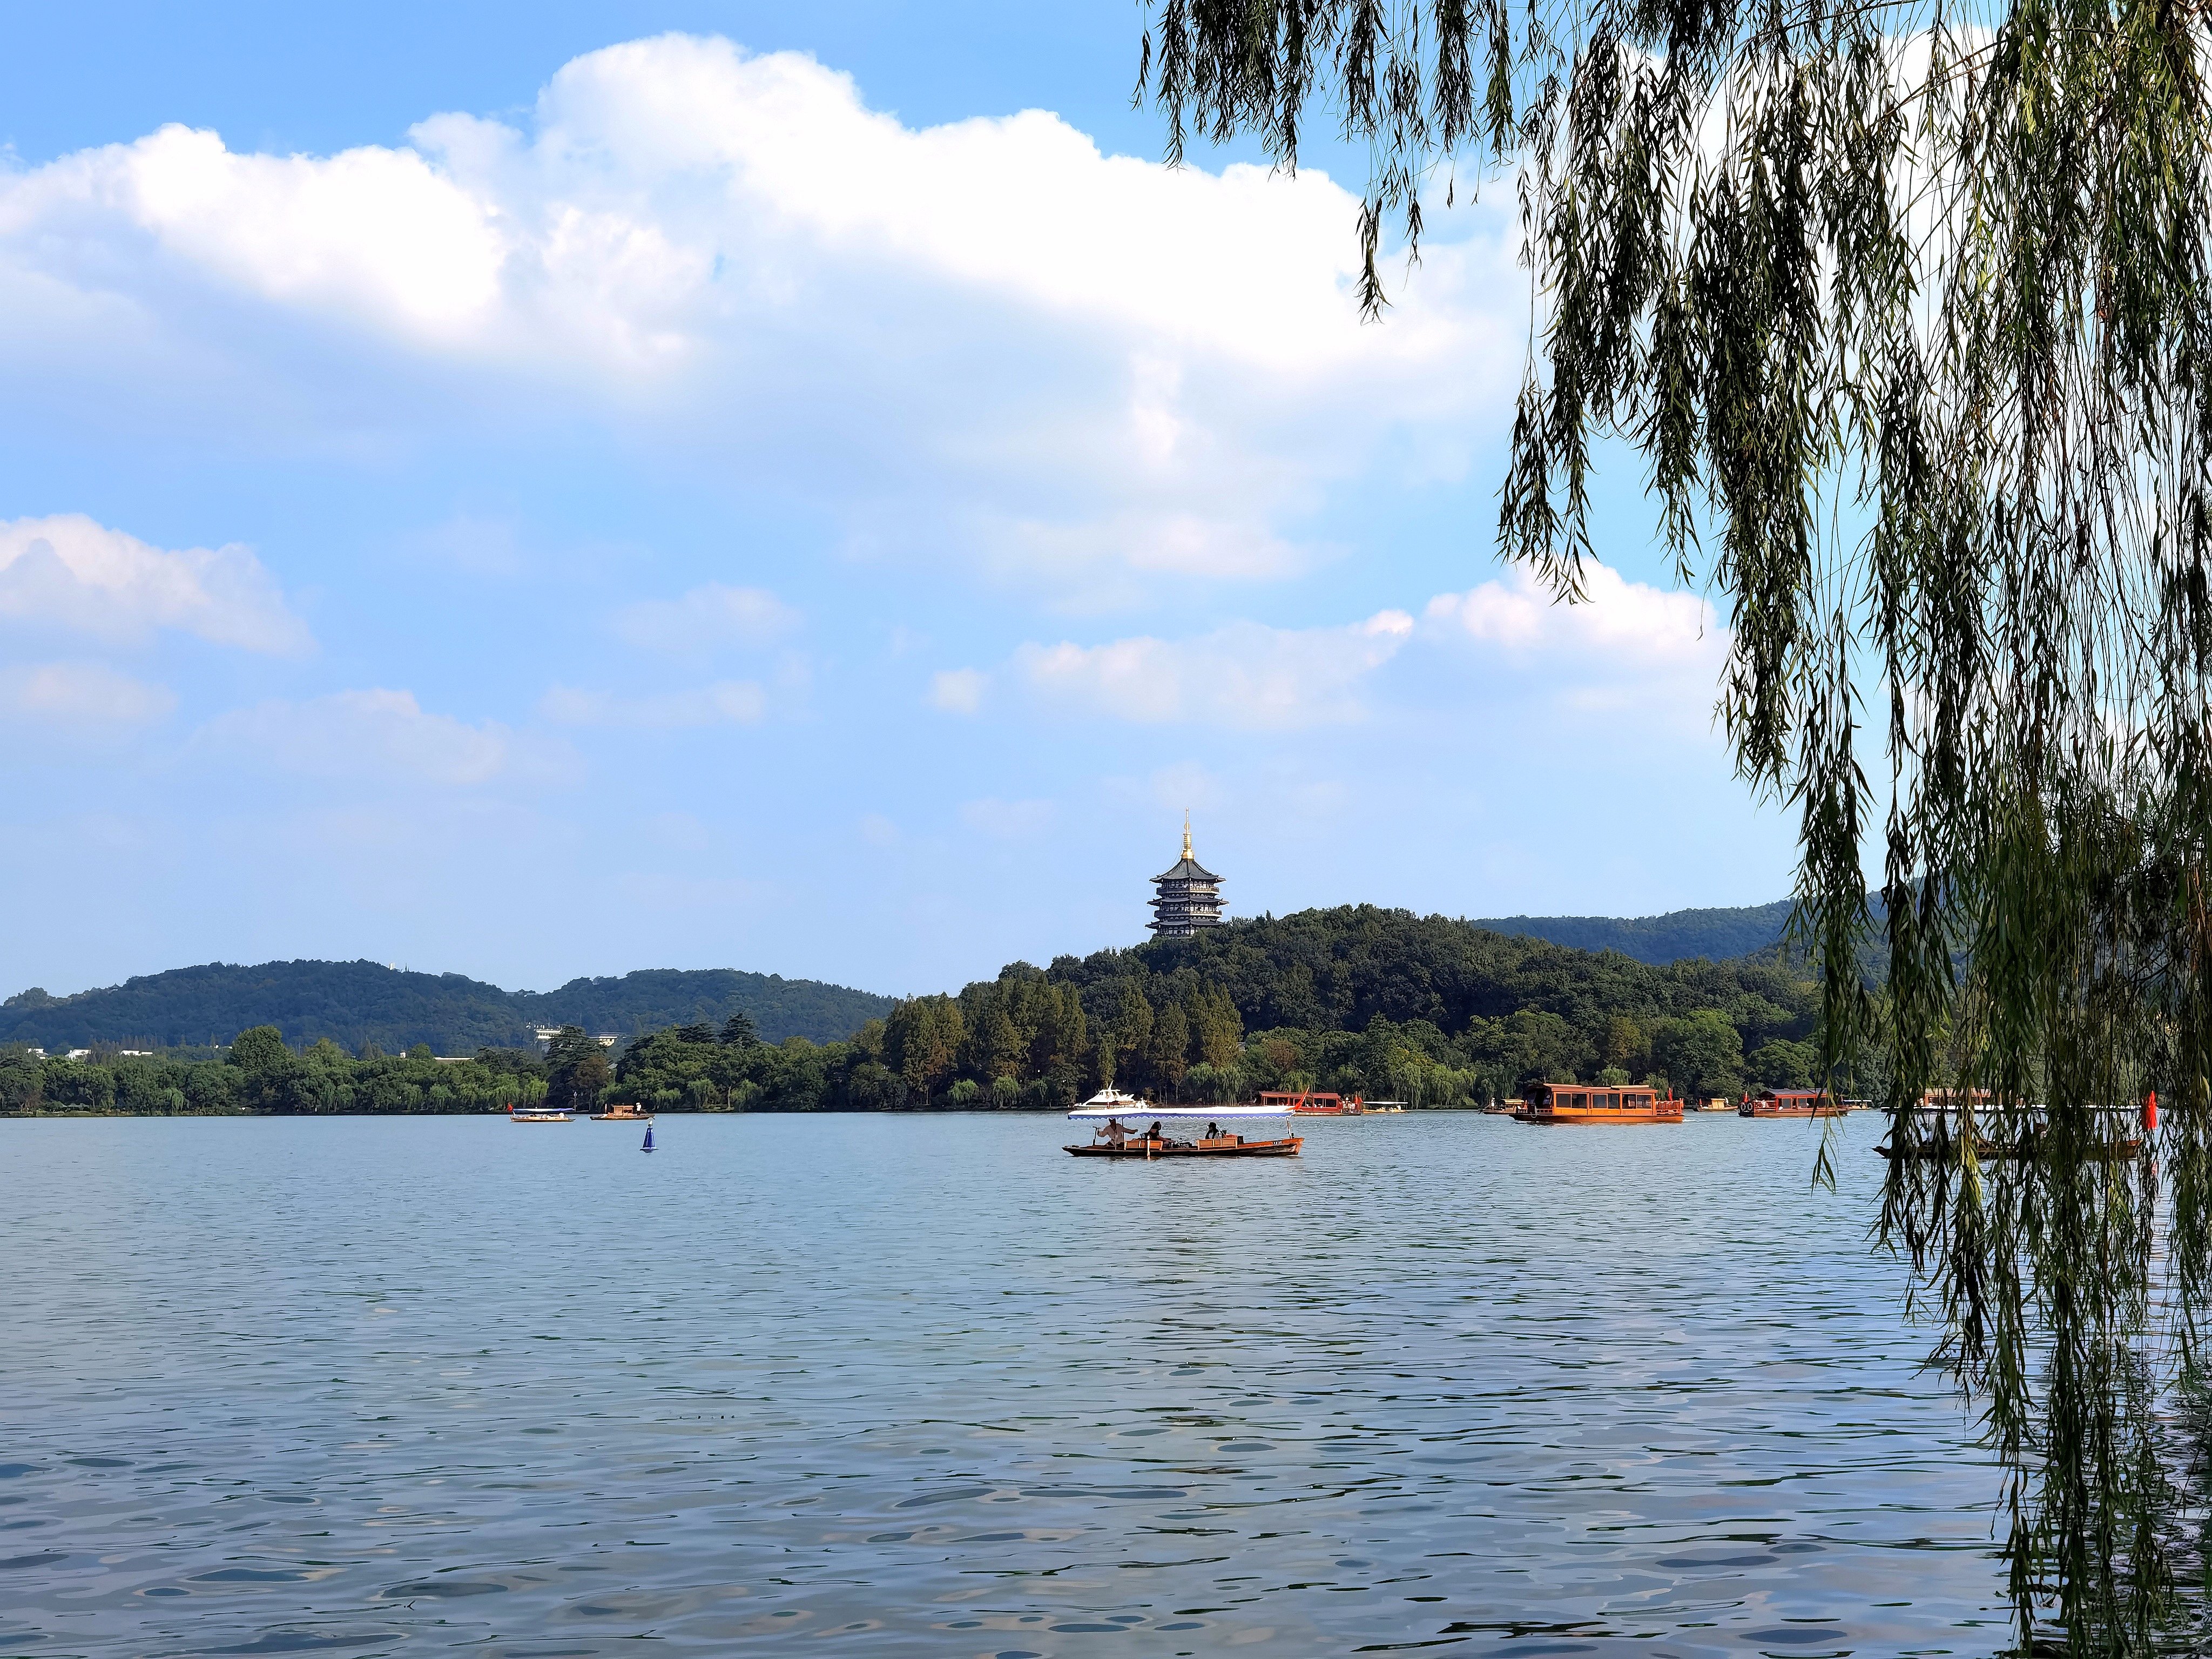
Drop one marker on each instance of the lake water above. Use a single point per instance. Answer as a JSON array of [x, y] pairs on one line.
[[928, 1385]]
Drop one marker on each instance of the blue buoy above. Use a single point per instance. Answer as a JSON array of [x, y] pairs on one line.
[[648, 1139]]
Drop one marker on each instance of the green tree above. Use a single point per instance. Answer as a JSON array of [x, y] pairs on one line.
[[1905, 312], [1005, 1048], [1131, 1032], [576, 1070], [1783, 1065], [1702, 1053], [922, 1041], [259, 1048], [20, 1077], [1538, 1046], [1625, 1046], [1217, 1031], [1167, 1056]]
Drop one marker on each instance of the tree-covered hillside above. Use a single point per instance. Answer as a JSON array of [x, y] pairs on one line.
[[1357, 1000], [1380, 1002], [365, 1004], [1673, 936]]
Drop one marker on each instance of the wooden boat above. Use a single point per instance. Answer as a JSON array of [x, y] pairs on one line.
[[1944, 1148], [1111, 1138], [622, 1112], [1792, 1103], [1307, 1104], [1554, 1103], [2011, 1129]]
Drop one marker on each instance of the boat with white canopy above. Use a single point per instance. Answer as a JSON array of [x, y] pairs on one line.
[[1112, 1136]]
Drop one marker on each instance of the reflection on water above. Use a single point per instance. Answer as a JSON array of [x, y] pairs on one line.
[[910, 1386]]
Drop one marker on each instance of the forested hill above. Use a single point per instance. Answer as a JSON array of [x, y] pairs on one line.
[[1341, 969], [1674, 936], [1427, 1009], [360, 1003]]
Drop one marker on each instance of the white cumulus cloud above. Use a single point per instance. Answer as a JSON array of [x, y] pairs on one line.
[[72, 694], [984, 339], [1625, 645], [1245, 677], [73, 572]]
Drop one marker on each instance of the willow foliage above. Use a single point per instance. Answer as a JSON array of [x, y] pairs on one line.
[[1902, 308]]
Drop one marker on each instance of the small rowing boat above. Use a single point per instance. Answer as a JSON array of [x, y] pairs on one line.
[[1112, 1137]]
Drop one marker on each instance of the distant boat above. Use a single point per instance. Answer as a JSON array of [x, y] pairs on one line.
[[1307, 1104], [539, 1115], [1791, 1102], [648, 1139]]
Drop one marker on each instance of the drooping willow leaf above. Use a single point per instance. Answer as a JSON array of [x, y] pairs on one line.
[[1904, 308]]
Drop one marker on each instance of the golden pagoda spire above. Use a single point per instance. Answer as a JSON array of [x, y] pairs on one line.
[[1186, 832]]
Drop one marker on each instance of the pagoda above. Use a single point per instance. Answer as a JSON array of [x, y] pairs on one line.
[[1190, 895]]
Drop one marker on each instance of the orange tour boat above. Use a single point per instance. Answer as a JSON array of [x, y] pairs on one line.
[[1593, 1102]]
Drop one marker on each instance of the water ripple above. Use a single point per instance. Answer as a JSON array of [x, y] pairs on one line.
[[909, 1386]]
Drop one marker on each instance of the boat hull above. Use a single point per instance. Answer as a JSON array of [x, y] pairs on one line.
[[1986, 1151], [1555, 1118], [1792, 1111], [1287, 1147]]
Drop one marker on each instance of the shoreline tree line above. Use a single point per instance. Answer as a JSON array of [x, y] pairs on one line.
[[1358, 1000]]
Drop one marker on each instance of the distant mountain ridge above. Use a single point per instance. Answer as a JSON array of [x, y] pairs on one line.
[[1676, 936], [355, 1003]]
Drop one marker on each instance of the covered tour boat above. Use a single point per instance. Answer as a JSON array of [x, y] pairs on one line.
[[1551, 1104], [1112, 1136], [1792, 1103], [1306, 1103], [537, 1114]]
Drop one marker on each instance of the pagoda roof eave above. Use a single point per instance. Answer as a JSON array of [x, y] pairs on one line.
[[1187, 870]]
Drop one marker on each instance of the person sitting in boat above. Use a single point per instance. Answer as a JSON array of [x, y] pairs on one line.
[[1153, 1134], [1213, 1131]]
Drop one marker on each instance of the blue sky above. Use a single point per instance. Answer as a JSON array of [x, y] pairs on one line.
[[534, 491]]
